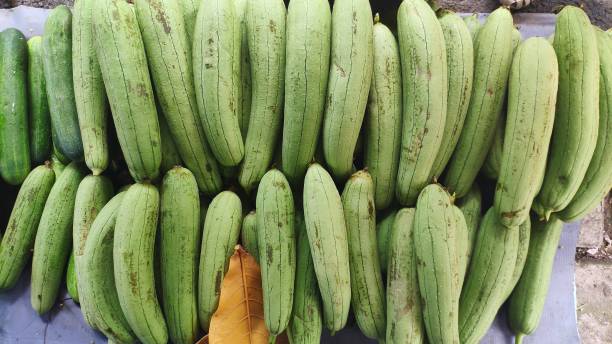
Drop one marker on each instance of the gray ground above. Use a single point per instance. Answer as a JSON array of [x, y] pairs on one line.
[[594, 262]]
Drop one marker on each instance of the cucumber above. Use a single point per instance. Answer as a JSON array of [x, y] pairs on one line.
[[40, 120], [179, 250], [492, 56], [404, 317], [18, 240], [169, 56], [327, 235], [216, 56], [121, 54], [248, 235], [54, 239], [490, 273], [527, 300], [306, 73], [383, 235], [89, 93], [221, 231], [190, 12], [169, 154], [245, 69], [460, 60], [598, 178], [348, 83], [384, 117], [14, 133], [133, 245], [367, 288], [306, 322], [92, 194], [470, 206], [276, 237], [57, 62], [435, 245], [265, 26], [574, 136], [98, 279], [425, 95], [71, 280]]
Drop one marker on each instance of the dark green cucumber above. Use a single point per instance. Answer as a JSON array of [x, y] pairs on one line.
[[40, 120]]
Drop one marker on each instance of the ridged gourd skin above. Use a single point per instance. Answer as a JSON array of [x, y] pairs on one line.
[[216, 70], [306, 324], [490, 273], [57, 62], [57, 166], [179, 250], [89, 92], [18, 240], [425, 94], [14, 131], [133, 251], [277, 248], [327, 235], [383, 120], [367, 287], [169, 154], [120, 51], [91, 196], [248, 235], [245, 68], [383, 236], [471, 207], [98, 282], [404, 316], [221, 231], [435, 242], [54, 239], [190, 12], [598, 179], [38, 107], [532, 94], [168, 53], [526, 303], [473, 24], [71, 280], [521, 255], [306, 74], [463, 248], [574, 136], [349, 80], [460, 68], [265, 27], [492, 60]]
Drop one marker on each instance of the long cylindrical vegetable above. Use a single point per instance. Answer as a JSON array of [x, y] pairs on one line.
[[179, 249], [169, 154], [133, 246], [435, 245], [248, 235], [574, 136], [463, 249], [384, 117], [89, 92], [54, 239], [425, 94], [473, 24], [57, 61], [14, 133], [216, 56], [71, 280], [18, 239], [190, 12], [532, 94], [326, 227], [276, 238], [349, 80], [169, 56], [488, 277], [404, 315], [470, 206], [245, 68], [306, 74], [306, 322], [367, 288], [492, 59], [521, 255], [527, 300], [598, 179], [383, 236], [123, 63], [98, 278], [40, 120], [221, 231], [265, 26], [460, 60]]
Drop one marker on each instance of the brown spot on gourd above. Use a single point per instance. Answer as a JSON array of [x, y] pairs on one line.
[[371, 208], [269, 254], [218, 280], [272, 26], [489, 92]]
